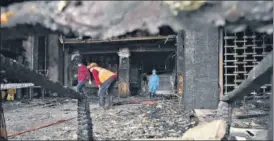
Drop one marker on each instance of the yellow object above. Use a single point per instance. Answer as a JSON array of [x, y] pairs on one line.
[[3, 94], [185, 5], [104, 74], [10, 97], [11, 93], [61, 5]]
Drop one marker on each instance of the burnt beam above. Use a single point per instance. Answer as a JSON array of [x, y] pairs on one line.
[[221, 59], [224, 112], [180, 62], [270, 121], [124, 70], [257, 77], [144, 49], [29, 75], [139, 39], [201, 68]]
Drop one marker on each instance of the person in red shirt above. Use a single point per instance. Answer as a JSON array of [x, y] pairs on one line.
[[83, 76], [105, 81]]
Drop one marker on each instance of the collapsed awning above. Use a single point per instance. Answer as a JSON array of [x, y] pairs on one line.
[[64, 40]]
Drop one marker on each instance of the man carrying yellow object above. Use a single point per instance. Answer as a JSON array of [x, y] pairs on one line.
[[105, 80]]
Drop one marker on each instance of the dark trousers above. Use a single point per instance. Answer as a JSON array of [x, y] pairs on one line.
[[80, 87], [151, 95], [106, 93]]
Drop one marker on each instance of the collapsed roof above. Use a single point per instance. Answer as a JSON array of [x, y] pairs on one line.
[[106, 19]]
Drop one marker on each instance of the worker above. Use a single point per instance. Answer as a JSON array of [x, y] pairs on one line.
[[105, 80], [11, 93], [83, 76], [153, 84]]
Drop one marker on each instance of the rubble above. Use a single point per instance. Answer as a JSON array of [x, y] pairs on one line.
[[133, 118], [142, 121], [130, 121]]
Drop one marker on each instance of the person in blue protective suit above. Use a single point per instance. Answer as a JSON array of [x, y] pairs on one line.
[[153, 84]]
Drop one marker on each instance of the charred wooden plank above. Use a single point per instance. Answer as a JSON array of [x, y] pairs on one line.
[[250, 116], [180, 62], [224, 112], [257, 77], [85, 127], [29, 75], [270, 128]]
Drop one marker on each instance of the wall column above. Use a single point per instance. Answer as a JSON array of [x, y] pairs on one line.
[[31, 54], [28, 45], [201, 68], [123, 73], [54, 57], [67, 59]]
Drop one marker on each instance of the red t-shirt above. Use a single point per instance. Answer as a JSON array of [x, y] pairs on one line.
[[83, 73]]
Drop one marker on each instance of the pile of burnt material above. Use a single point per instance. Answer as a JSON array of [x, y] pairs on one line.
[[147, 119]]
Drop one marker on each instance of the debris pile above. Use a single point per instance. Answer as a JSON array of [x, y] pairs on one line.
[[136, 121], [147, 119], [251, 116], [131, 118]]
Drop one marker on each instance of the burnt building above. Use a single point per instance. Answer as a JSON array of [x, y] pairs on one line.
[[235, 53], [129, 57], [216, 52]]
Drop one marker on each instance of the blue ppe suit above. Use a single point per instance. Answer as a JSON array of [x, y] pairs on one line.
[[153, 83]]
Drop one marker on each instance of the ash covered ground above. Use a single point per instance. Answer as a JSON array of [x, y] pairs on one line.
[[126, 121]]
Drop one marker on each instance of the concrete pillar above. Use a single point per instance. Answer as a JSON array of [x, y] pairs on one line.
[[66, 68], [123, 72], [53, 58], [18, 93], [61, 63], [201, 68], [28, 45], [31, 54]]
